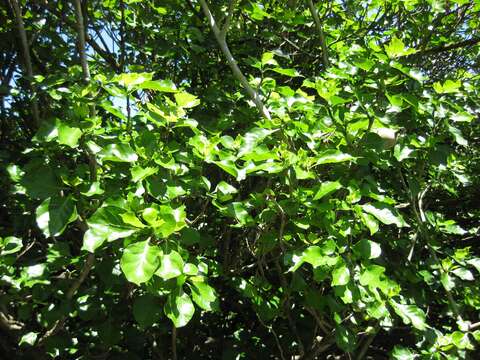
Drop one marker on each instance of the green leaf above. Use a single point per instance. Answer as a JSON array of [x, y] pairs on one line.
[[54, 214], [462, 117], [15, 172], [118, 153], [447, 281], [189, 236], [147, 310], [94, 189], [225, 191], [461, 340], [105, 223], [204, 295], [139, 261], [10, 245], [475, 263], [463, 274], [396, 48], [448, 87], [113, 110], [371, 276], [410, 314], [179, 308], [367, 249], [239, 211], [402, 353], [171, 265], [68, 135], [190, 269], [457, 135], [251, 139], [315, 256], [327, 188], [37, 187], [166, 86], [385, 213], [130, 218], [344, 338], [340, 276], [186, 100], [333, 156], [268, 59], [229, 167], [370, 222], [29, 339], [139, 173], [132, 80], [402, 152], [287, 72], [165, 224]]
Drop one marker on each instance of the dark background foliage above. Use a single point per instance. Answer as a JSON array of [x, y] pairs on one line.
[[156, 204]]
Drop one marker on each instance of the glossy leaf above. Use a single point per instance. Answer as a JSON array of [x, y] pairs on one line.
[[204, 295], [118, 153], [410, 314], [171, 265], [385, 213], [54, 214], [179, 308], [139, 261]]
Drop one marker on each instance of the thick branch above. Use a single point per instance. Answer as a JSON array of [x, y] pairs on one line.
[[226, 25], [70, 294], [8, 324], [321, 35], [366, 345], [26, 55], [443, 48], [104, 54], [220, 36], [81, 40]]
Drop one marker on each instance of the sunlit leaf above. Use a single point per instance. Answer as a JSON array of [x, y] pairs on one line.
[[139, 261]]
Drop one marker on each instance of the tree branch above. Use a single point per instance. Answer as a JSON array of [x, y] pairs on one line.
[[26, 56], [232, 62], [366, 345], [174, 342], [81, 40], [443, 48], [69, 296], [226, 25], [321, 35]]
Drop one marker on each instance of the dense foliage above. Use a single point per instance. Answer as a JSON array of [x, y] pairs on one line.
[[247, 179]]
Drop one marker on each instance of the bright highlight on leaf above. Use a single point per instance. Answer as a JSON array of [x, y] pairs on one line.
[[139, 261]]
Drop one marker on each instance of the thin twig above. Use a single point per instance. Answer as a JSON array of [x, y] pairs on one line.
[[474, 326], [199, 216], [24, 251], [320, 347], [277, 340]]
